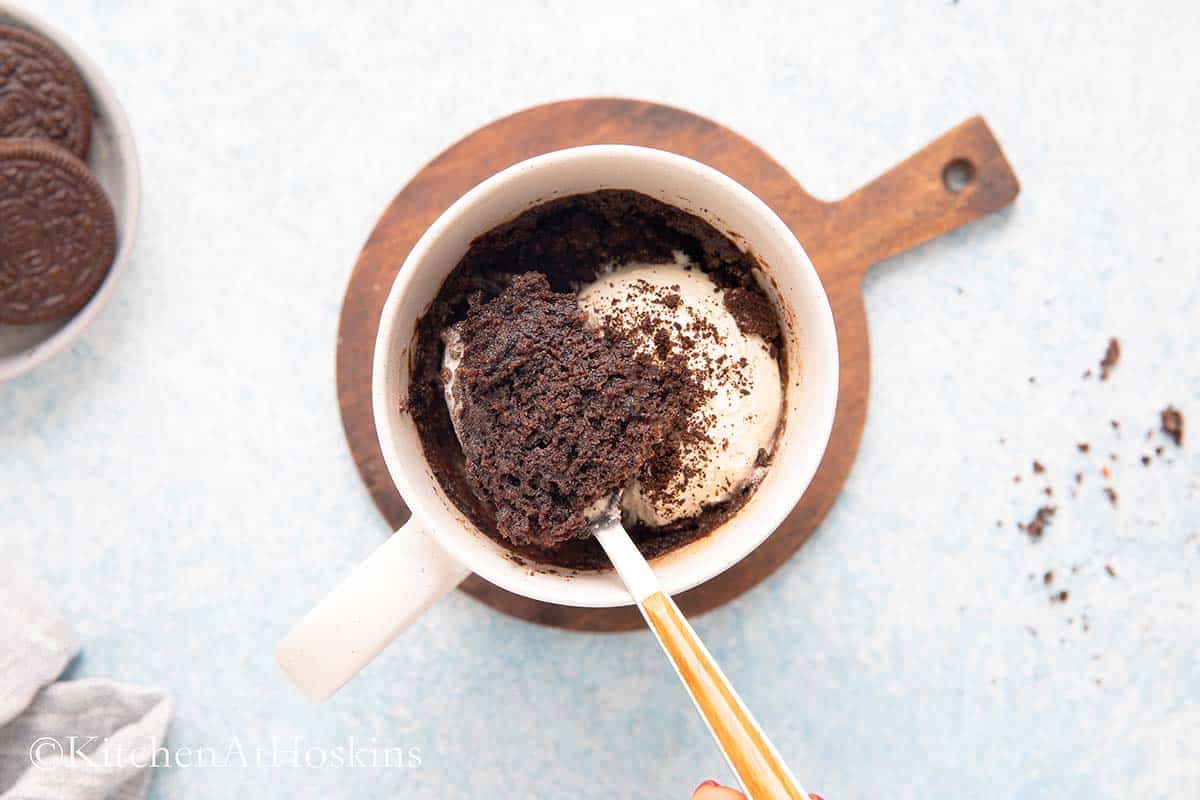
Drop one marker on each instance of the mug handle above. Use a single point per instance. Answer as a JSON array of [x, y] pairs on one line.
[[362, 615]]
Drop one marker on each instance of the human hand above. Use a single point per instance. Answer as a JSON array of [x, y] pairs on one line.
[[711, 790]]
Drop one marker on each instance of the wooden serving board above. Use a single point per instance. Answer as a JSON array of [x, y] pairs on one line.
[[910, 204]]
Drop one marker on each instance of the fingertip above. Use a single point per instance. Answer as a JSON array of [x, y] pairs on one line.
[[711, 790]]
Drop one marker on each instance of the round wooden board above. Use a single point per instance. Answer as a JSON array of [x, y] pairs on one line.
[[904, 207]]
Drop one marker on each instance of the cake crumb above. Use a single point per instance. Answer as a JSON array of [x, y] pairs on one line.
[[1112, 355], [1036, 527], [1172, 424], [752, 312]]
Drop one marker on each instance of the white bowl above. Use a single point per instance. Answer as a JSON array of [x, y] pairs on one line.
[[113, 160]]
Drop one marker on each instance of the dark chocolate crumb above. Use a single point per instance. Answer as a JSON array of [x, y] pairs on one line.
[[1112, 572], [1038, 468], [1048, 578], [1111, 494], [1112, 354], [1172, 424], [753, 313], [1145, 461], [1083, 447], [1036, 527]]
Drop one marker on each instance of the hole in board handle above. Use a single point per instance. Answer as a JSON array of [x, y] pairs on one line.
[[957, 174]]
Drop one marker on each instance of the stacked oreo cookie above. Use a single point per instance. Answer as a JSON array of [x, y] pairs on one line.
[[58, 234]]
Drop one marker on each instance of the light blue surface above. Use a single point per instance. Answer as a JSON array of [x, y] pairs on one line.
[[180, 477]]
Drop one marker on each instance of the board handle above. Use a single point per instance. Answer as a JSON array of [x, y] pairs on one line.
[[959, 177]]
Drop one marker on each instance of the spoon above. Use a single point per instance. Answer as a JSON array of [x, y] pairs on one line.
[[757, 764]]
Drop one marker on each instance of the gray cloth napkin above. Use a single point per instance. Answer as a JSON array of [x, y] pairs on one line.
[[73, 740]]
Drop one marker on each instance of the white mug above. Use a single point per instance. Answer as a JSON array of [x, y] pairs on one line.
[[439, 546]]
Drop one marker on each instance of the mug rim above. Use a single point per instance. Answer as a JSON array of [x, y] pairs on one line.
[[565, 591]]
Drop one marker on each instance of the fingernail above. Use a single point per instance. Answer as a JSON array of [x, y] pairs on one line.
[[709, 782]]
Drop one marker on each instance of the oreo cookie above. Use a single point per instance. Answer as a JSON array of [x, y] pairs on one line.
[[42, 96], [58, 235]]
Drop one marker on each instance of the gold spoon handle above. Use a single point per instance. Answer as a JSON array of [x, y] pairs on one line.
[[761, 771], [749, 752]]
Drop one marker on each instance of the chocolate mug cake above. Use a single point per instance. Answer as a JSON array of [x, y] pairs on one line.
[[596, 344]]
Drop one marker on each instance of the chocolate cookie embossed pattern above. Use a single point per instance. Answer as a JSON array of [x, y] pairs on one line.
[[57, 233], [42, 96], [112, 161]]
